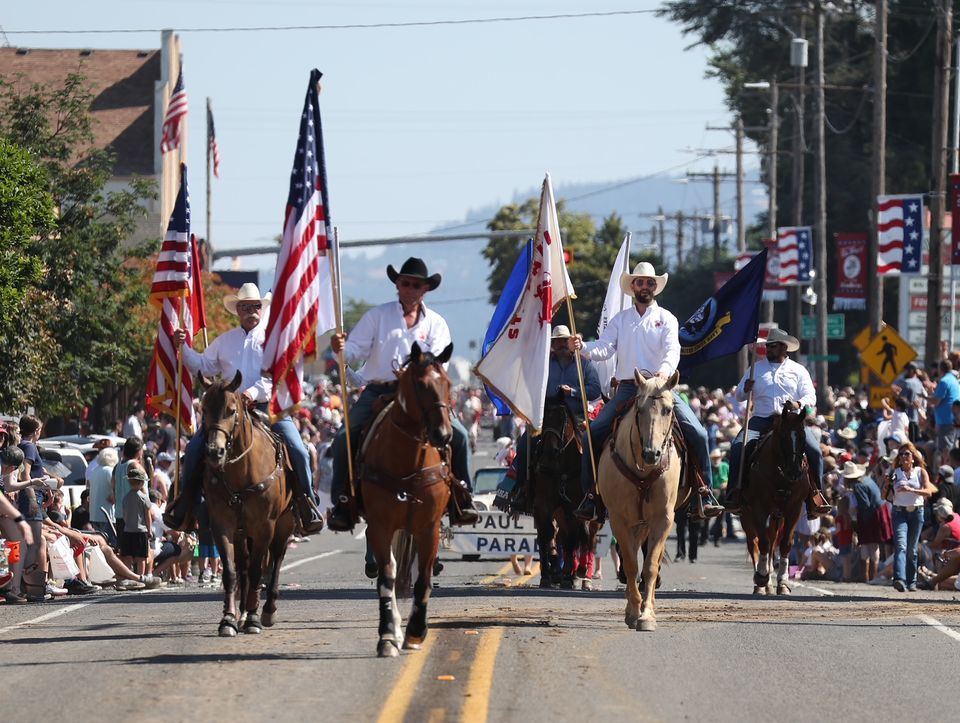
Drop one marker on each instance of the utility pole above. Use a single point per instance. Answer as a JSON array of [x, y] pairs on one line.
[[938, 179], [663, 242], [741, 221], [772, 177], [820, 223], [798, 59], [879, 166], [715, 177], [679, 239]]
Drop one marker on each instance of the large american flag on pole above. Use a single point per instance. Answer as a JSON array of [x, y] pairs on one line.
[[175, 117], [899, 234], [212, 148], [795, 249], [302, 305], [174, 292]]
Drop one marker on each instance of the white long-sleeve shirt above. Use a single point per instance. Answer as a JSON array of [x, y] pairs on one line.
[[233, 351], [775, 384], [382, 339], [650, 342]]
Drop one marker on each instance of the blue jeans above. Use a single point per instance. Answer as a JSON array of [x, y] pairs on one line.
[[906, 534], [360, 414], [285, 428], [693, 432], [762, 425]]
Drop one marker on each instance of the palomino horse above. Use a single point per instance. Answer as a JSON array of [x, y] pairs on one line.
[[250, 504], [639, 479], [405, 479], [555, 468], [776, 485]]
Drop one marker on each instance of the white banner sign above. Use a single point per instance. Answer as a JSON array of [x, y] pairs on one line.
[[497, 536]]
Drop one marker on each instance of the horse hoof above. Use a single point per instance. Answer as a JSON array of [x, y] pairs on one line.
[[228, 627], [268, 620], [412, 643], [769, 589], [253, 625], [545, 583], [783, 589], [757, 590], [631, 620], [566, 584], [387, 649], [646, 626]]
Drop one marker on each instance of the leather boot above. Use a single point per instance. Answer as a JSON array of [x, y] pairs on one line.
[[311, 520], [817, 505], [179, 514], [460, 508], [731, 500], [706, 505], [340, 519], [587, 511]]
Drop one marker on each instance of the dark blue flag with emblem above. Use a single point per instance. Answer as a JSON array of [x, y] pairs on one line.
[[727, 320]]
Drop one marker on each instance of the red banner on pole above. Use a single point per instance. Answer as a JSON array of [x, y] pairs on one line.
[[955, 218], [772, 291], [851, 288]]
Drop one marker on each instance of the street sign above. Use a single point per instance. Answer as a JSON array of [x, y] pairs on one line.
[[823, 357], [861, 340], [887, 354], [878, 394], [836, 327]]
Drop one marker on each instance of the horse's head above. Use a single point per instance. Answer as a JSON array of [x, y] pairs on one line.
[[557, 430], [424, 393], [790, 430], [222, 409], [653, 410]]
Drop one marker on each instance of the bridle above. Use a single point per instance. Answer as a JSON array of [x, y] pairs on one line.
[[791, 450], [237, 418], [638, 407], [423, 431]]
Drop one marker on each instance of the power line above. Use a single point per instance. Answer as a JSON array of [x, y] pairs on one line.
[[344, 26]]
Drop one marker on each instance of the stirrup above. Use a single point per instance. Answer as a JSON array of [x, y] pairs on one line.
[[587, 511]]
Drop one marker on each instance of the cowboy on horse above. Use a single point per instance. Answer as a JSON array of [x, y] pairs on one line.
[[383, 339], [240, 350], [563, 384], [644, 337], [776, 380]]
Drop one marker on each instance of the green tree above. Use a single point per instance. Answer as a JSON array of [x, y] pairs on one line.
[[82, 311], [352, 311]]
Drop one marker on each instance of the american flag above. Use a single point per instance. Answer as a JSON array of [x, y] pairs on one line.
[[212, 148], [795, 249], [899, 234], [176, 114], [176, 285], [303, 304]]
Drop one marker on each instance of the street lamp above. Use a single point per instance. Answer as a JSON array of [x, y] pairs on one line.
[[810, 298]]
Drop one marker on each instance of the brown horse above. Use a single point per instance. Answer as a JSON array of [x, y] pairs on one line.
[[250, 504], [776, 486], [639, 480], [555, 469], [405, 480]]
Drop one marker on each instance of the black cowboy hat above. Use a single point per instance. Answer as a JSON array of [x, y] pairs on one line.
[[414, 268]]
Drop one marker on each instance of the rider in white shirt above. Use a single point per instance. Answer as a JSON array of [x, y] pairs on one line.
[[383, 339], [646, 337], [777, 380]]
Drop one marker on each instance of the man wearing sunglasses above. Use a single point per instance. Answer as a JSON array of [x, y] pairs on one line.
[[646, 337], [383, 339], [777, 379], [241, 350]]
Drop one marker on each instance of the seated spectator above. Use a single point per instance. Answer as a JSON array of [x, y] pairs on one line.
[[13, 527], [80, 517]]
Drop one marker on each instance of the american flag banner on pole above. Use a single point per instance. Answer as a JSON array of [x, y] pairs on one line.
[[175, 118], [171, 291], [899, 234], [303, 304], [795, 249], [517, 363], [212, 148]]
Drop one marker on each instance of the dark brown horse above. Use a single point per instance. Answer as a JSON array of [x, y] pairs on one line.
[[776, 484], [250, 505], [405, 480], [555, 470]]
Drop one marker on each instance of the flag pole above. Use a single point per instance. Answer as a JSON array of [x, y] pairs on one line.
[[583, 393], [746, 418], [333, 257], [179, 393], [206, 342]]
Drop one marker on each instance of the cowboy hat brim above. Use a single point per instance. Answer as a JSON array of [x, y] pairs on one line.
[[626, 281], [230, 301], [433, 281], [793, 344]]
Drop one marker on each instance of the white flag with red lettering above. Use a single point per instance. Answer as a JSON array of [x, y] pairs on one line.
[[517, 364]]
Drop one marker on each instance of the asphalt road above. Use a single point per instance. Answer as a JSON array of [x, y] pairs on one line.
[[499, 649]]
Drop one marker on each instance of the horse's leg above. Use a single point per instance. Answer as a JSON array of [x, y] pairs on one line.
[[543, 519], [228, 627], [567, 533], [774, 527], [256, 558], [786, 542], [241, 552], [623, 530], [658, 532], [278, 549], [380, 539], [427, 541]]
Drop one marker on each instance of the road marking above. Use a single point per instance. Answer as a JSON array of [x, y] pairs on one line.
[[305, 560], [476, 705], [527, 579], [933, 623], [437, 715], [490, 578], [397, 703], [815, 589], [51, 615]]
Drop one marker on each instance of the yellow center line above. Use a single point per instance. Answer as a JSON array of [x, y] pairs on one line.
[[476, 704], [397, 703], [502, 571]]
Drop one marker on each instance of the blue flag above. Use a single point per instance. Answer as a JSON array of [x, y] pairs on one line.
[[727, 320], [501, 315]]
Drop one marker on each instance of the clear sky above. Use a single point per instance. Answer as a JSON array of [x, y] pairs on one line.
[[421, 124]]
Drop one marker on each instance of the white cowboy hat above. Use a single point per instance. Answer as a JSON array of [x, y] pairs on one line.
[[560, 331], [852, 470], [504, 442], [847, 433], [779, 336], [642, 270], [247, 292]]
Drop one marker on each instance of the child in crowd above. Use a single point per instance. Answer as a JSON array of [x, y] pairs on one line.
[[138, 520]]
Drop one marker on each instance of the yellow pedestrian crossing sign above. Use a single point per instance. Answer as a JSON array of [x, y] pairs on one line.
[[887, 354]]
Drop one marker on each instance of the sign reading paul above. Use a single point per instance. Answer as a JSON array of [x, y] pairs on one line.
[[727, 320]]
